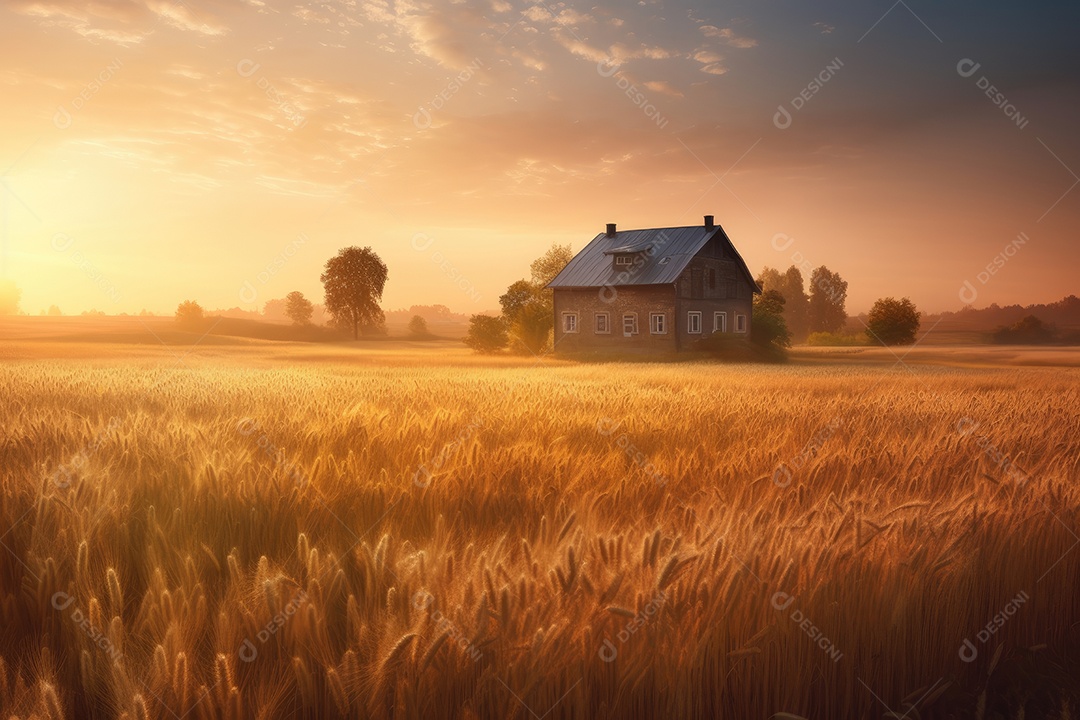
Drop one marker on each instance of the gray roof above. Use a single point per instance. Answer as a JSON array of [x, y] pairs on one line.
[[668, 252]]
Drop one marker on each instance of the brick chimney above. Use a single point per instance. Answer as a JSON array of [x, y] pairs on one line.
[[709, 224], [611, 229]]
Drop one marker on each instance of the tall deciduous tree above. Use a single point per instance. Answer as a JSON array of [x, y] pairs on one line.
[[797, 306], [528, 307], [828, 294], [354, 280], [893, 322], [790, 285], [487, 334], [298, 308], [189, 313]]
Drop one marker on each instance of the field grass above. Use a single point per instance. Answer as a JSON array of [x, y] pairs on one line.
[[261, 530]]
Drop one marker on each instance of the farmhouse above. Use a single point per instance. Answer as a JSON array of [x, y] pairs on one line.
[[656, 290]]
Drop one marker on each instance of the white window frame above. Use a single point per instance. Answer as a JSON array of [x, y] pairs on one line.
[[720, 326], [690, 318], [596, 323], [740, 323], [624, 260], [658, 328], [566, 326], [632, 317]]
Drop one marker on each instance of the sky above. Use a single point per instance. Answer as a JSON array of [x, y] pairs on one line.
[[154, 151]]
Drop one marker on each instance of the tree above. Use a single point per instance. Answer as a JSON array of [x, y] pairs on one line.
[[790, 285], [354, 280], [298, 308], [1028, 330], [487, 334], [418, 327], [517, 296], [828, 293], [275, 309], [547, 266], [54, 311], [10, 295], [767, 325], [798, 302], [893, 322], [189, 313], [528, 307]]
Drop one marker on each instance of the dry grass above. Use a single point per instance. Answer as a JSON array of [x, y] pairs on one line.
[[248, 535]]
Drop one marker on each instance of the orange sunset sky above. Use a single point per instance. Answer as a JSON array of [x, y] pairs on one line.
[[155, 151]]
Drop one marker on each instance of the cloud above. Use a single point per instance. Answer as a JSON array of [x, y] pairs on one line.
[[825, 28], [728, 36], [662, 86], [712, 62], [124, 23]]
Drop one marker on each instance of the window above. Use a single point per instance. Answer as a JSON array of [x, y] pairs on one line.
[[740, 323], [658, 323], [569, 322], [719, 322], [629, 324], [693, 322], [624, 260], [710, 276], [602, 323]]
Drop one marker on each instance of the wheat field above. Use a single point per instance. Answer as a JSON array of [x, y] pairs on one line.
[[257, 532]]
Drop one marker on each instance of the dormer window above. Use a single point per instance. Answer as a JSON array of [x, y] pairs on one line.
[[625, 260]]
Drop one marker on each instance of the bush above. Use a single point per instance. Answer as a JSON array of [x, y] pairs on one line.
[[1026, 331], [487, 334], [418, 327], [189, 314], [893, 322], [768, 329], [733, 347], [829, 339]]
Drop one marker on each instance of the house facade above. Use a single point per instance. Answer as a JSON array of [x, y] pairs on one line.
[[657, 290]]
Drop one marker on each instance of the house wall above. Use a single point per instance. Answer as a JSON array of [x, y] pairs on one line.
[[642, 300], [731, 294]]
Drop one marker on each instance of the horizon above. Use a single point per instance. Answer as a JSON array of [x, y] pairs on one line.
[[221, 141]]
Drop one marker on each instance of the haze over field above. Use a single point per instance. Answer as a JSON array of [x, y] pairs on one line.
[[180, 149], [468, 359]]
